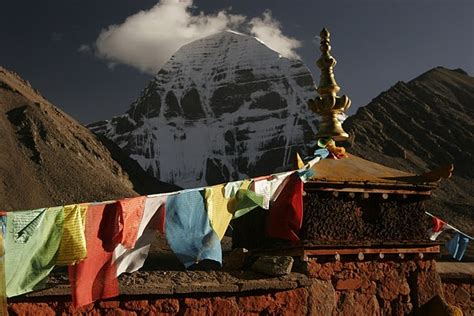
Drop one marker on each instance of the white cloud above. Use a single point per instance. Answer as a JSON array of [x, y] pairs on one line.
[[268, 30], [147, 39]]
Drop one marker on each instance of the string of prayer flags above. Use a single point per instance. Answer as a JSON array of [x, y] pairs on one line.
[[457, 245], [100, 241]]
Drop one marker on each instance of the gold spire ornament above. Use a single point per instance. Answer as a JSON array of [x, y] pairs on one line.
[[328, 105]]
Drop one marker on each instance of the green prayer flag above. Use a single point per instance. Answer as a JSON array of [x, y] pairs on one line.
[[3, 296], [31, 243], [247, 200]]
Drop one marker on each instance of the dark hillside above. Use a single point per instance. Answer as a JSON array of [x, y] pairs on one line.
[[422, 124], [47, 158]]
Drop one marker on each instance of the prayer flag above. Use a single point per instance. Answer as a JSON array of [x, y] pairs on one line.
[[129, 216], [72, 247], [438, 227], [457, 245], [188, 230], [3, 294], [219, 208], [95, 277], [130, 260], [270, 187], [286, 214], [31, 244]]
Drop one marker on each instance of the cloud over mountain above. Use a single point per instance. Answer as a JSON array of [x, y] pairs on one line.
[[147, 39]]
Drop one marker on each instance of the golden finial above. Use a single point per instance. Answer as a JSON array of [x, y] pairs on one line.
[[328, 105]]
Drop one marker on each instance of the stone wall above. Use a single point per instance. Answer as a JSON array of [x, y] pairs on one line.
[[460, 293], [329, 288], [292, 302], [377, 287]]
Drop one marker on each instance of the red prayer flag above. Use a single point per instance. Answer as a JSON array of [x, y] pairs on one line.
[[286, 214], [438, 224], [95, 277], [129, 216]]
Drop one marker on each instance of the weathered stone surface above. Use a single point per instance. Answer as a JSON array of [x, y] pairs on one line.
[[456, 270], [273, 265], [392, 286], [136, 305], [348, 305], [83, 309], [293, 302], [194, 306], [115, 312], [252, 285], [349, 284], [183, 282], [428, 285], [254, 303], [372, 306], [108, 304], [31, 309], [322, 298], [461, 295], [321, 271], [225, 306], [204, 287], [170, 305]]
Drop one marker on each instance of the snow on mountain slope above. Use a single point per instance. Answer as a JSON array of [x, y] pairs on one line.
[[223, 107]]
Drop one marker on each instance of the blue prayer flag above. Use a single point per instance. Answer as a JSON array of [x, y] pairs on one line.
[[457, 245], [188, 229]]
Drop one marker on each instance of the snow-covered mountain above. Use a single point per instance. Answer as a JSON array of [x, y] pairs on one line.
[[223, 107]]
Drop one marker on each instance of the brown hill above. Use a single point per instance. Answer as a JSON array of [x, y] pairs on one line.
[[422, 124], [47, 158]]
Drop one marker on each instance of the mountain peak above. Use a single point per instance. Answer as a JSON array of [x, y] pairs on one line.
[[442, 73], [223, 107], [223, 37]]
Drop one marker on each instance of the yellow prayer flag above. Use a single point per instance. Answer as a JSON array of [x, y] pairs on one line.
[[218, 209], [299, 161], [72, 248]]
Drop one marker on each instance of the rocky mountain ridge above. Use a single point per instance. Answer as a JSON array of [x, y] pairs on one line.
[[223, 107], [48, 159]]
